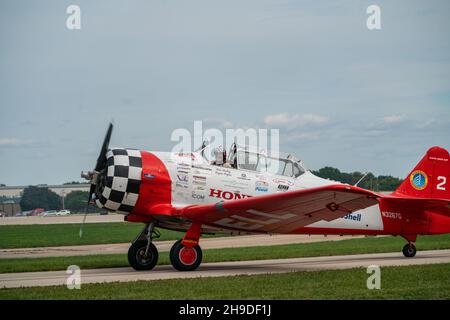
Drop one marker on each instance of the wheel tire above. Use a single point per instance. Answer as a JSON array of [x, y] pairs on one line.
[[409, 250], [185, 258], [136, 257]]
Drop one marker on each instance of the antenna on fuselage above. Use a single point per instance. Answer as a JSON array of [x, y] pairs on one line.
[[362, 178]]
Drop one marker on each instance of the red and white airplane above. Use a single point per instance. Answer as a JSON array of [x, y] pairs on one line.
[[251, 192]]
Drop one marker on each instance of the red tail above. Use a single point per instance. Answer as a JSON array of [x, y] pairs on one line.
[[430, 177]]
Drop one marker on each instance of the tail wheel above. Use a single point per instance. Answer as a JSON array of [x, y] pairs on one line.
[[409, 250], [139, 259], [185, 258]]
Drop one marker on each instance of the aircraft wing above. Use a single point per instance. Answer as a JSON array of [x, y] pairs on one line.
[[440, 206], [282, 212]]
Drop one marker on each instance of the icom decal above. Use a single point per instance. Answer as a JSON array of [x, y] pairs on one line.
[[418, 179], [198, 196], [283, 187]]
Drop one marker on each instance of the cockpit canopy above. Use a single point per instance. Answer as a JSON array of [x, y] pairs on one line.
[[251, 159]]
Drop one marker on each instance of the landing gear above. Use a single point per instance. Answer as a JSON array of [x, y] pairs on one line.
[[409, 250], [185, 258], [143, 255], [186, 254]]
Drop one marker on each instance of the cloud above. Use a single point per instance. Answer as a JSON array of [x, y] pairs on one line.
[[294, 120], [13, 142], [217, 123], [393, 119]]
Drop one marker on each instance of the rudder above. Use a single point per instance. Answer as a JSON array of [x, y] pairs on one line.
[[429, 178]]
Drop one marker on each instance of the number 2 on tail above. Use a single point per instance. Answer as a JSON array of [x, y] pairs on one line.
[[442, 181]]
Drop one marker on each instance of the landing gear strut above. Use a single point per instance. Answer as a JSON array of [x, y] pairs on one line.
[[143, 255], [186, 254], [409, 250]]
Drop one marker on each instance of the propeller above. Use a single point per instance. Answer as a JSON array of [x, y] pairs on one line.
[[93, 176]]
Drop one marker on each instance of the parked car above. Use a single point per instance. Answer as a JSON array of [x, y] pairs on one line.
[[63, 212], [49, 213]]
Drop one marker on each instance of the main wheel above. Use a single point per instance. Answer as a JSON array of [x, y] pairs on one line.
[[185, 258], [138, 259], [409, 250]]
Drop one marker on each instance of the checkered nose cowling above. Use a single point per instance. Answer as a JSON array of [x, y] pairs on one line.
[[119, 183]]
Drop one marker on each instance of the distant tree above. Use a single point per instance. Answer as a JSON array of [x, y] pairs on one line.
[[74, 182], [370, 181], [2, 185], [39, 197], [76, 200]]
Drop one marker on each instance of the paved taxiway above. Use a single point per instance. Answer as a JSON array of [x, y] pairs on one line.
[[30, 279], [164, 246]]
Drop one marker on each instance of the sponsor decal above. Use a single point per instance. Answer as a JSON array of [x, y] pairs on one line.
[[182, 164], [199, 188], [183, 178], [392, 215], [198, 196], [438, 159], [182, 171], [223, 172], [201, 168], [261, 186], [354, 217], [199, 180], [186, 155], [283, 187], [418, 180], [149, 176], [226, 195], [243, 177], [283, 181], [178, 184]]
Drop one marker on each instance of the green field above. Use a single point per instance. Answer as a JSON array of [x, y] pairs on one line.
[[47, 235], [408, 282], [326, 248]]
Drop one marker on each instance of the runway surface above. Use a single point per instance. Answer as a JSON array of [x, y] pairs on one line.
[[164, 246], [31, 279]]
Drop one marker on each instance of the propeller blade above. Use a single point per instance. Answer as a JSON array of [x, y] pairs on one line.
[[80, 233], [102, 156]]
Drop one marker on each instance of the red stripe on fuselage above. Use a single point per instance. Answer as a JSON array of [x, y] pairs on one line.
[[156, 185]]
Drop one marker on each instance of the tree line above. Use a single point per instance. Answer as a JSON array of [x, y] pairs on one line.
[[42, 197], [371, 182]]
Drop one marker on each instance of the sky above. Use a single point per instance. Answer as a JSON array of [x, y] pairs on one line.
[[340, 94]]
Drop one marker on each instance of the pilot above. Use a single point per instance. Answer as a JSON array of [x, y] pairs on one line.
[[220, 156]]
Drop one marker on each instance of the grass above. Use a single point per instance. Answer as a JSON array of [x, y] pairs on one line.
[[31, 236], [407, 282], [325, 248]]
